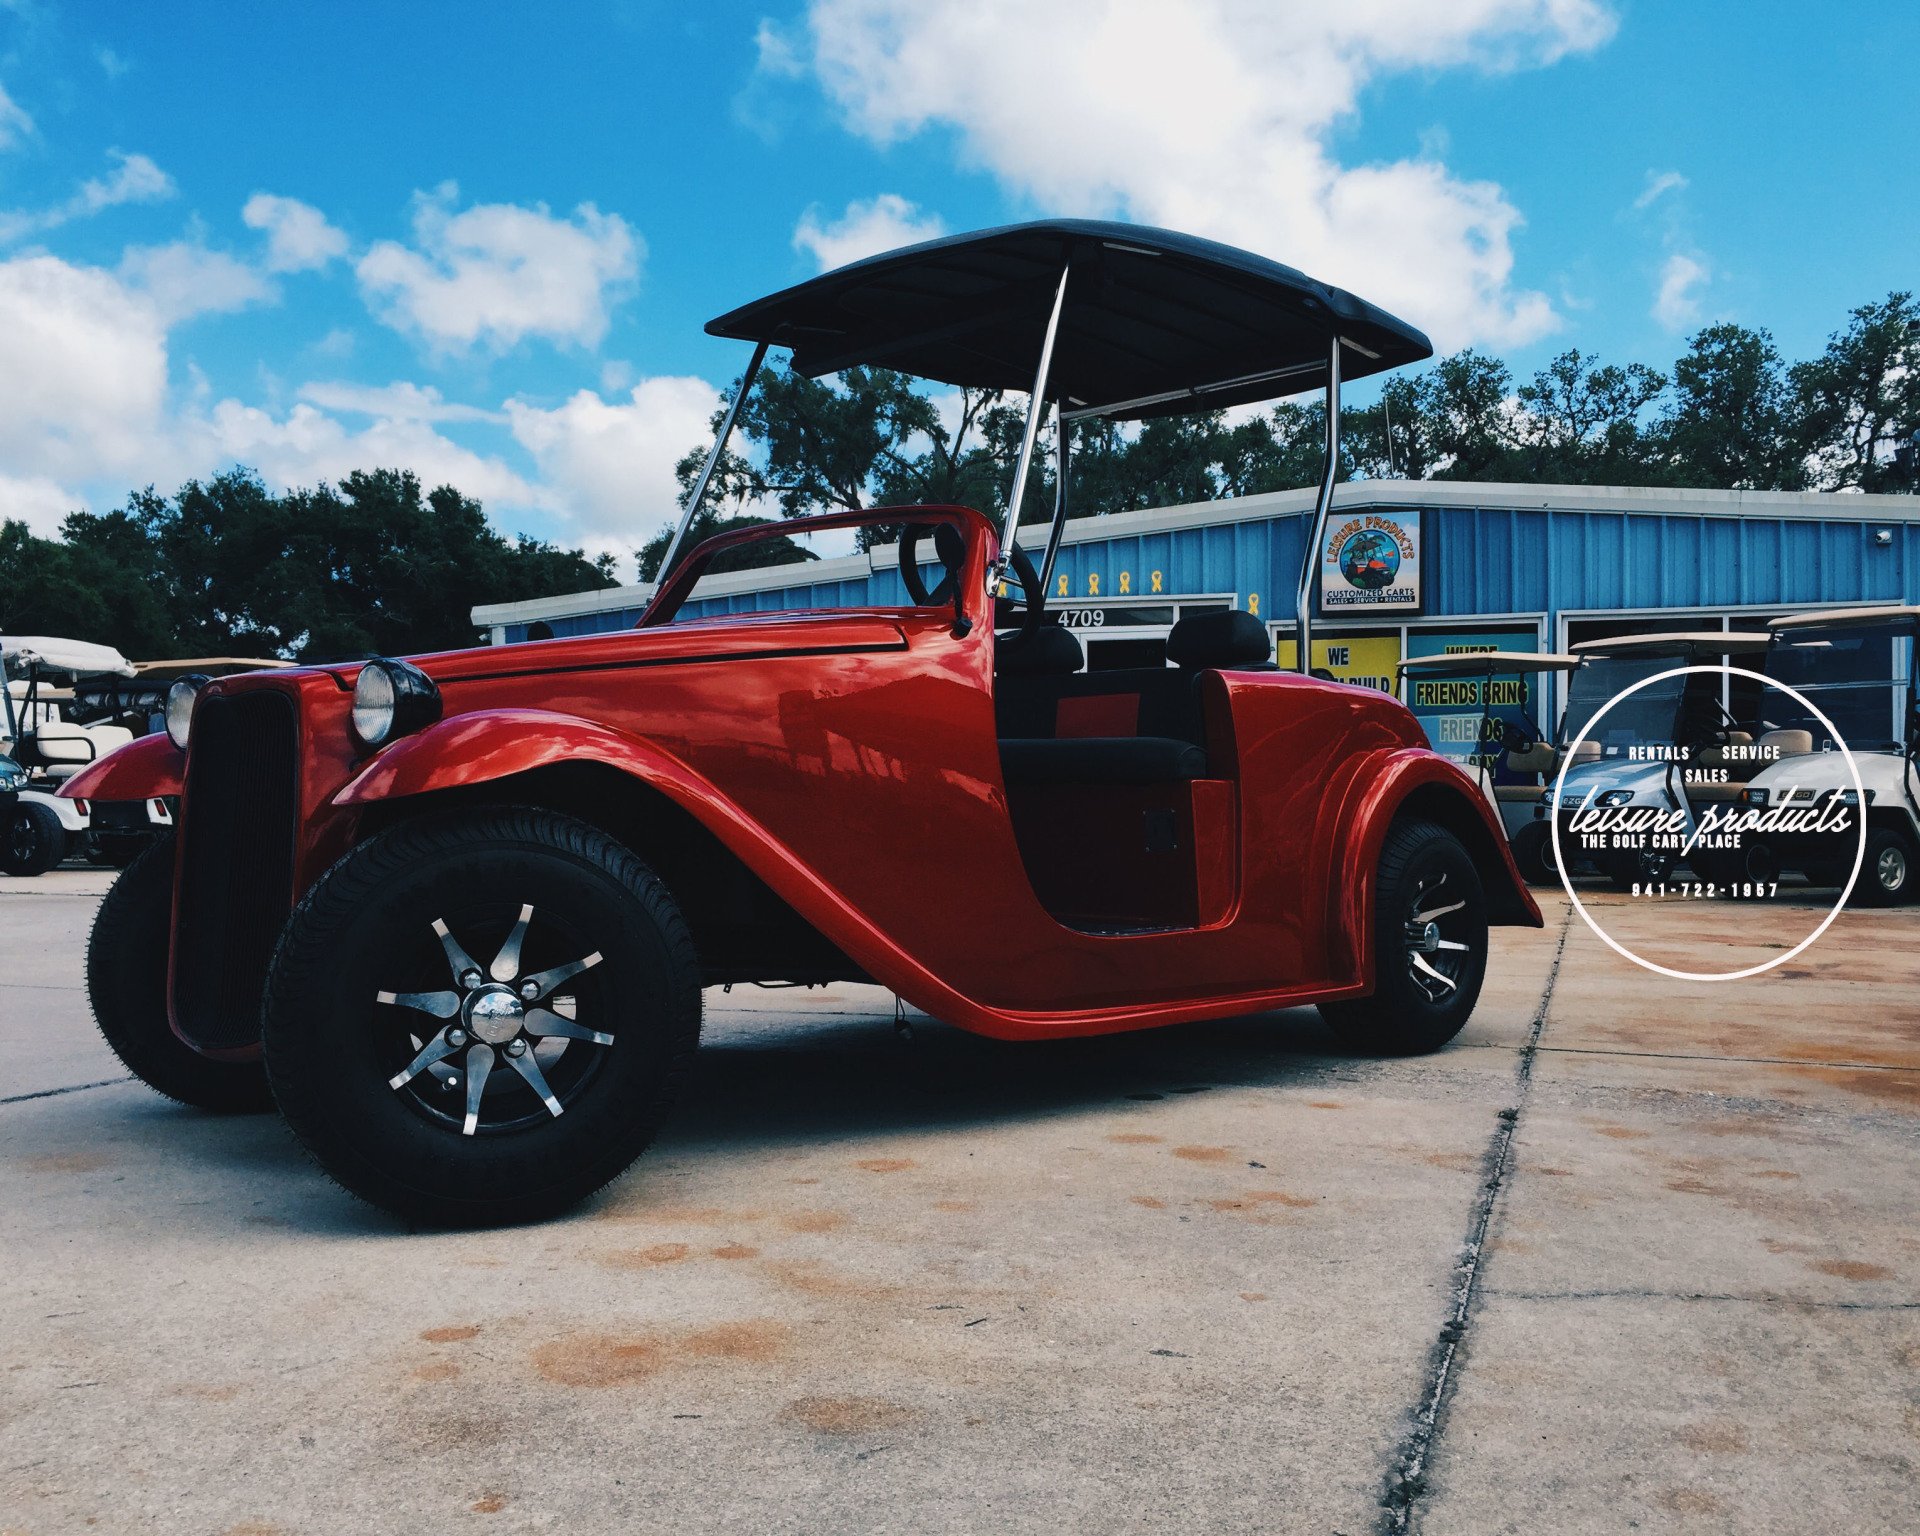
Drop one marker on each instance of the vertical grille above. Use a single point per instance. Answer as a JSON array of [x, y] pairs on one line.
[[238, 816]]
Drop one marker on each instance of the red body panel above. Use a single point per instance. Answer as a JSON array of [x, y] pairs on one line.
[[143, 768], [850, 760]]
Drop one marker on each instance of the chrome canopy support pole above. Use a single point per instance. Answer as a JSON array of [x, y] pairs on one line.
[[699, 493], [1323, 505], [1036, 407], [1059, 499], [6, 695]]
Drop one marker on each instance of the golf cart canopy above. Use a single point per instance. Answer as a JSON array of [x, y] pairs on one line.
[[1849, 618], [1154, 323], [1478, 663], [57, 655], [1691, 645]]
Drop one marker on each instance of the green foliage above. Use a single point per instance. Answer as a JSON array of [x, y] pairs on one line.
[[368, 567]]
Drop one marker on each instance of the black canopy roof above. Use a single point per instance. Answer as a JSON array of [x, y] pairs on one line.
[[1155, 324]]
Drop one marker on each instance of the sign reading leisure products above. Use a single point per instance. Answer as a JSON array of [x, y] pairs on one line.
[[1370, 563]]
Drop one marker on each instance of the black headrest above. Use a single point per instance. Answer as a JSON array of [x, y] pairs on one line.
[[1052, 650], [1220, 637]]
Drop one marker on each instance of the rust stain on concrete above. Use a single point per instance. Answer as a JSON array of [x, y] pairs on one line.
[[1203, 1154], [814, 1221], [1149, 1201], [736, 1251], [458, 1334], [1718, 1435], [850, 1415], [610, 1360], [1851, 1269], [1135, 1139], [67, 1162], [489, 1504], [884, 1164], [645, 1258]]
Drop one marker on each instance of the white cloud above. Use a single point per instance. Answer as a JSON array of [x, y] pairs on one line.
[[1219, 117], [83, 377], [1658, 185], [111, 63], [307, 445], [183, 279], [399, 401], [38, 502], [299, 238], [611, 464], [883, 223], [497, 273], [134, 179], [14, 122], [1676, 304]]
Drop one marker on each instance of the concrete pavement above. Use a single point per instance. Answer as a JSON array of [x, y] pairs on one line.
[[1632, 1254]]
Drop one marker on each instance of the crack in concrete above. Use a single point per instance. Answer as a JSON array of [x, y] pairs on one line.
[[1406, 1480], [1632, 1294], [54, 1093]]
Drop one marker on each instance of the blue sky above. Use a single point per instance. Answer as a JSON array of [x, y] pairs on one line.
[[481, 240]]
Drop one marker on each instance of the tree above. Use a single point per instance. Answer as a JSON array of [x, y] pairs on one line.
[[1581, 422], [224, 567], [1730, 420], [779, 550], [1858, 403]]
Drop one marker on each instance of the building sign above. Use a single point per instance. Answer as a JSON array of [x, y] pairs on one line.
[[1370, 563], [1366, 661], [1454, 711], [1083, 617]]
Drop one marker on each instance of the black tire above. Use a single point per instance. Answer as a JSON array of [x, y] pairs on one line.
[[365, 931], [127, 985], [1639, 866], [1421, 862], [1533, 854], [1887, 872], [35, 840]]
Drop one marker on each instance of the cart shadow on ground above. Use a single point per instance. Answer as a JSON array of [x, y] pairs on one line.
[[771, 1082]]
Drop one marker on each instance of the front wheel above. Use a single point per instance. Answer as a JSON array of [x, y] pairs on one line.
[[480, 1016], [1886, 874], [35, 840], [127, 985], [1533, 854], [1429, 946]]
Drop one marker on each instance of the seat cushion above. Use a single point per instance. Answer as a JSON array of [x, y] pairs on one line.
[[1100, 760], [1219, 638]]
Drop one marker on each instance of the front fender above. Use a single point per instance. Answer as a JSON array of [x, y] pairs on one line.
[[143, 769], [488, 744], [1379, 787]]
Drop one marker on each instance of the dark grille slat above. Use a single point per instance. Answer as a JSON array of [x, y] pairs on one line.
[[237, 824]]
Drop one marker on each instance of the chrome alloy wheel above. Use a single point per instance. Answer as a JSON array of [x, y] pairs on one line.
[[498, 1017], [1433, 943], [1890, 869]]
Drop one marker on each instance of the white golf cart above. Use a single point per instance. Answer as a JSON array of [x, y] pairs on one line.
[[1513, 758], [1857, 665], [42, 826], [1676, 745]]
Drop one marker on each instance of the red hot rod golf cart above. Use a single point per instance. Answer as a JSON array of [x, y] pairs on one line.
[[458, 911]]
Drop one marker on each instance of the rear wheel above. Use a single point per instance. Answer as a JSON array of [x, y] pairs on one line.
[[1887, 873], [35, 840], [127, 984], [1429, 946], [480, 1017]]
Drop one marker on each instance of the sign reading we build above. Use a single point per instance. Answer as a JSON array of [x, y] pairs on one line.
[[1370, 563]]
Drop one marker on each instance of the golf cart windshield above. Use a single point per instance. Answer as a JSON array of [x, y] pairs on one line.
[[1860, 676], [1658, 715]]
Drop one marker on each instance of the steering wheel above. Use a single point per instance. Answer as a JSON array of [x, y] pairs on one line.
[[1516, 739], [950, 549]]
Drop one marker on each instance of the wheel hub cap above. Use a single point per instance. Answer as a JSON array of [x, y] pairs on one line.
[[494, 1014]]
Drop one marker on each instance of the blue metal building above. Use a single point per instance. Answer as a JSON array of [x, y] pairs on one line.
[[1411, 568]]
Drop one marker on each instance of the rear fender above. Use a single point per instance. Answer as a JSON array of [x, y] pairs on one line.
[[144, 769], [1380, 788]]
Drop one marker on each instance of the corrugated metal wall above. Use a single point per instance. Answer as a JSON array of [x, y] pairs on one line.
[[1476, 561]]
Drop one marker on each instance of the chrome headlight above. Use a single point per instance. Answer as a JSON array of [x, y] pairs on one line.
[[392, 699], [179, 710], [1614, 797]]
